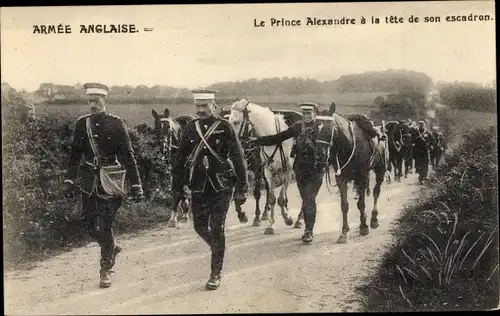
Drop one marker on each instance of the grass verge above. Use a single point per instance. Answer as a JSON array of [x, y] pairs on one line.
[[445, 254]]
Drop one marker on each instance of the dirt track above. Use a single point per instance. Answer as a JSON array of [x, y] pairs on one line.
[[164, 271]]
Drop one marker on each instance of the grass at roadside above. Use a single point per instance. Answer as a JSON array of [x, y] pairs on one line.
[[445, 254]]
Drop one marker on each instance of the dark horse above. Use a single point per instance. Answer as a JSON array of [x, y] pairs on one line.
[[399, 141], [168, 132], [255, 165], [352, 153]]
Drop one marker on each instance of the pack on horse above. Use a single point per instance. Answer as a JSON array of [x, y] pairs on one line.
[[399, 143], [351, 151], [168, 132], [267, 163]]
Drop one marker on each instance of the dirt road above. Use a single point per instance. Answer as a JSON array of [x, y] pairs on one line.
[[164, 271]]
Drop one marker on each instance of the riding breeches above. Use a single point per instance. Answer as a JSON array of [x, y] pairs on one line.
[[209, 217], [97, 211], [309, 182]]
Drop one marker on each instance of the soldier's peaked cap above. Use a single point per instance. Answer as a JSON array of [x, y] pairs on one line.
[[96, 88], [309, 106], [204, 94]]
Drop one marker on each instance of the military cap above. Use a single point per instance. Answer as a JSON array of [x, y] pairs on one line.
[[435, 127], [309, 106], [202, 96], [96, 88]]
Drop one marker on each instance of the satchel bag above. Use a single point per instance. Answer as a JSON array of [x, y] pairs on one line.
[[112, 178]]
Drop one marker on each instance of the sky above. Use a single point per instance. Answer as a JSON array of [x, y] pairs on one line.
[[196, 45]]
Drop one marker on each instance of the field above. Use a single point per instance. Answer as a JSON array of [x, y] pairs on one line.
[[136, 114]]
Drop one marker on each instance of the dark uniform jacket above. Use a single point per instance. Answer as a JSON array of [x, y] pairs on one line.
[[216, 175], [438, 141], [305, 135], [112, 139], [422, 141]]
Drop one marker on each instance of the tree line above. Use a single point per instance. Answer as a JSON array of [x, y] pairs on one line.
[[406, 89]]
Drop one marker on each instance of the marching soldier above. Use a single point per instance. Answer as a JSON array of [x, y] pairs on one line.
[[307, 174], [112, 146], [211, 163], [421, 145], [438, 146]]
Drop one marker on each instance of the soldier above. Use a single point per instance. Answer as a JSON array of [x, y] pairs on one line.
[[113, 146], [420, 150], [438, 146], [211, 163], [308, 176]]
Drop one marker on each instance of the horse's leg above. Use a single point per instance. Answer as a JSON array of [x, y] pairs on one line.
[[242, 217], [368, 191], [265, 215], [283, 200], [300, 220], [363, 228], [400, 167], [172, 222], [267, 186], [389, 167], [379, 176], [271, 202], [406, 163], [257, 193], [344, 204]]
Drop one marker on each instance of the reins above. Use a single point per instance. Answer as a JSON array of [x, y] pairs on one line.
[[328, 155], [244, 133]]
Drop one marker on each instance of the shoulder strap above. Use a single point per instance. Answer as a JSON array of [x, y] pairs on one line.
[[208, 134], [91, 137]]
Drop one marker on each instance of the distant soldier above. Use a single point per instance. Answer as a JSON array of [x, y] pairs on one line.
[[211, 163], [112, 145], [438, 146], [421, 145]]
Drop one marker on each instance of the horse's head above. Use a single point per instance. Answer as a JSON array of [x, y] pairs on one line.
[[165, 129], [239, 118], [406, 132], [398, 133], [324, 144]]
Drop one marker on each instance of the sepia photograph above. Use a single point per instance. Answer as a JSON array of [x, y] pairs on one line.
[[250, 158]]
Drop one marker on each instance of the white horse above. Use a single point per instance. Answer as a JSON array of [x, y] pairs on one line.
[[249, 118]]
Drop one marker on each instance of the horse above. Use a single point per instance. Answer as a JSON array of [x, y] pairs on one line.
[[168, 132], [352, 153], [250, 119], [399, 143]]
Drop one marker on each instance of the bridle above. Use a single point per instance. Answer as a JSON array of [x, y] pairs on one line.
[[330, 145], [247, 130], [402, 138], [165, 141]]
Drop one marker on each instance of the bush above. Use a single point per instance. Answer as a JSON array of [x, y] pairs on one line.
[[446, 256]]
